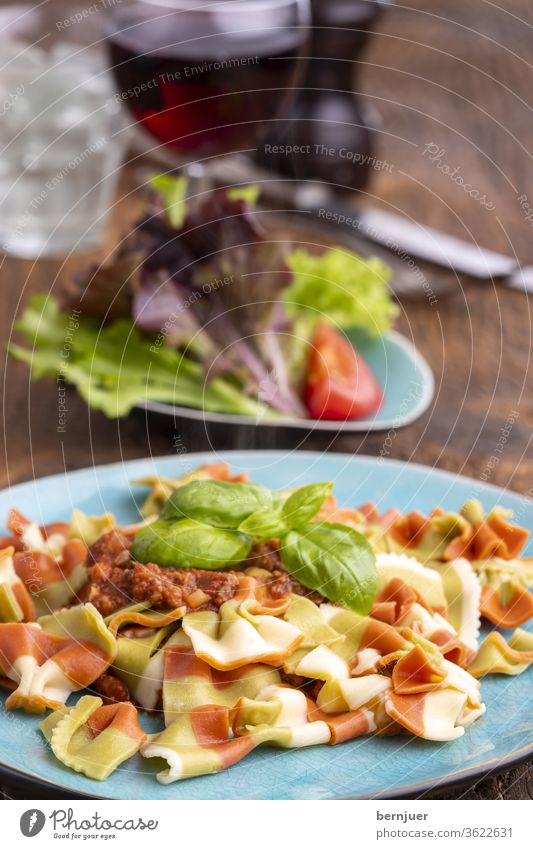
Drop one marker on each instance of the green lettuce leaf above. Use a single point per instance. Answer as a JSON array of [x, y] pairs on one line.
[[172, 191], [114, 367]]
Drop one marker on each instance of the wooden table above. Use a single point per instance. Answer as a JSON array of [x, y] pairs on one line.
[[447, 75]]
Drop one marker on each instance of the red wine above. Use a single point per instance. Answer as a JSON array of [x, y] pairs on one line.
[[203, 82]]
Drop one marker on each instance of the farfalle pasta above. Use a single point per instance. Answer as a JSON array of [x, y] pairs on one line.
[[139, 663], [234, 636], [190, 682], [346, 622], [93, 738], [491, 543], [49, 661], [506, 657], [197, 743]]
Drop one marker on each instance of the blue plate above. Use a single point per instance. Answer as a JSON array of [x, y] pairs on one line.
[[367, 767], [403, 373]]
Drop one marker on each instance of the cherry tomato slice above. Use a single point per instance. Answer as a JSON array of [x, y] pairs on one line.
[[340, 384]]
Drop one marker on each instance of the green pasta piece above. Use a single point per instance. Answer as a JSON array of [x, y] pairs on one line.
[[90, 528], [85, 622], [129, 608], [10, 609], [59, 593], [47, 725], [306, 616], [74, 744]]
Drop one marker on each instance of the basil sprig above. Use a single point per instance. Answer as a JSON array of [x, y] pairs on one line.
[[213, 525], [304, 503]]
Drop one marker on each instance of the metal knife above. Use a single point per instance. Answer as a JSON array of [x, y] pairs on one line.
[[418, 240], [402, 236]]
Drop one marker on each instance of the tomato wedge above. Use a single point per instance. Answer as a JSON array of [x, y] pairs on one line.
[[340, 384]]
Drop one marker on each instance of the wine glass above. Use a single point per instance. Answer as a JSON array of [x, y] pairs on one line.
[[204, 77]]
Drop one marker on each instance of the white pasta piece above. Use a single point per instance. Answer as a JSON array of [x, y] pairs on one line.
[[424, 580]]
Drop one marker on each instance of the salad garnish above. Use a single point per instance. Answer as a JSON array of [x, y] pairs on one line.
[[203, 306]]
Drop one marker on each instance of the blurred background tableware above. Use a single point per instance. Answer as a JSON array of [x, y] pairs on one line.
[[203, 78], [327, 126], [60, 141], [400, 368]]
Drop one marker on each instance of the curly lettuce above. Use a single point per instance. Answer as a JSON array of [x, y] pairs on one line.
[[116, 367]]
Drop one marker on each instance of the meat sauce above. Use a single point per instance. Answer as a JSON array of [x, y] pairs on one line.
[[115, 580]]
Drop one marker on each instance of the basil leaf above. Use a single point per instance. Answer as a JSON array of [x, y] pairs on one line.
[[189, 545], [335, 560], [303, 504], [263, 525], [218, 503]]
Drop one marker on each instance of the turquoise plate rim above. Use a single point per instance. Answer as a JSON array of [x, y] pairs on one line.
[[445, 780]]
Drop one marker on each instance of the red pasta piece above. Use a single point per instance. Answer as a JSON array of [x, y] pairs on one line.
[[37, 569], [453, 649], [416, 673], [408, 530], [398, 594], [513, 536], [517, 610], [122, 716]]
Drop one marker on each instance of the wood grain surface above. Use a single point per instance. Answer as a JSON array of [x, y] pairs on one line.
[[445, 73]]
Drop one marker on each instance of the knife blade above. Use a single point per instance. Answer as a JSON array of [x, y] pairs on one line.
[[403, 235]]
